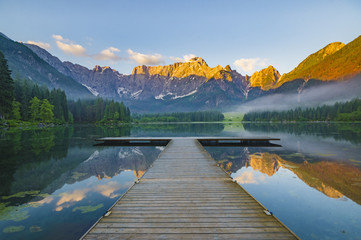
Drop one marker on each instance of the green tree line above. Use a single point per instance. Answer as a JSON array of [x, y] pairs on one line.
[[200, 116], [24, 100], [34, 103], [99, 110], [340, 111]]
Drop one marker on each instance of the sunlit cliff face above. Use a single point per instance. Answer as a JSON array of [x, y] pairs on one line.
[[265, 78], [195, 66]]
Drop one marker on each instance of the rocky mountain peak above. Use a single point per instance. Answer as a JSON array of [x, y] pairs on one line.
[[198, 60], [194, 67], [227, 68], [265, 78], [98, 68]]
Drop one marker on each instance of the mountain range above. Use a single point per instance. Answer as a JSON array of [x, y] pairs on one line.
[[184, 86], [24, 63]]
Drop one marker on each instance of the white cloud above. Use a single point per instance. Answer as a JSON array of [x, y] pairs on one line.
[[250, 65], [108, 54], [40, 44], [58, 37], [185, 58], [189, 57], [71, 48], [144, 59]]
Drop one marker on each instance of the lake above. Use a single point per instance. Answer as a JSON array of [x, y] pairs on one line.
[[55, 183]]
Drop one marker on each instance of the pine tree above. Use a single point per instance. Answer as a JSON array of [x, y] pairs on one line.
[[16, 110], [6, 89]]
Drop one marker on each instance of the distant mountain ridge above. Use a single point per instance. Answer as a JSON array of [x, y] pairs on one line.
[[179, 85], [184, 86], [24, 63], [195, 66]]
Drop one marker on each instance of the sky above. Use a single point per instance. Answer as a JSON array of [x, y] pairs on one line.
[[247, 35]]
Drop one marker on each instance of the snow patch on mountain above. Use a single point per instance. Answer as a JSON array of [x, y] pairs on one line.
[[122, 91], [162, 95], [136, 94], [94, 92], [186, 95]]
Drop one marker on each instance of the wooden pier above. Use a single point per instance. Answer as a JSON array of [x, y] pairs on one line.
[[185, 195]]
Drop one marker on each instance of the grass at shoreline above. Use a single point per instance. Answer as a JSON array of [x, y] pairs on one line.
[[233, 117]]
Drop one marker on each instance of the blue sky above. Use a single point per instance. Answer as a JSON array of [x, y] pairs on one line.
[[247, 35]]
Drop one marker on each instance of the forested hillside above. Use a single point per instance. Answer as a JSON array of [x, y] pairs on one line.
[[346, 111], [23, 100]]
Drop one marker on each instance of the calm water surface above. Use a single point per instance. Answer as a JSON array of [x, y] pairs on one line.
[[55, 184]]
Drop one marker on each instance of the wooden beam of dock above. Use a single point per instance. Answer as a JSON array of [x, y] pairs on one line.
[[185, 195], [205, 141]]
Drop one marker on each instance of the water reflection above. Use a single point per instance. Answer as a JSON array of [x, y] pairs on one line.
[[334, 179], [350, 132], [285, 181], [56, 184]]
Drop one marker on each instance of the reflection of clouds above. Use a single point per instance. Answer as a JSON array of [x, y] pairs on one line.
[[75, 196], [41, 202], [246, 177], [108, 189], [249, 177]]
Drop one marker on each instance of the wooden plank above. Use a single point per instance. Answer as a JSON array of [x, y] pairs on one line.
[[185, 195], [253, 224], [187, 215], [179, 230], [265, 236], [188, 220]]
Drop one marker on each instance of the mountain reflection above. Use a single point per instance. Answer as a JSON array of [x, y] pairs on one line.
[[333, 178], [55, 158], [110, 161]]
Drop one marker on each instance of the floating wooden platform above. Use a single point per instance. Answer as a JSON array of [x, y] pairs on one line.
[[205, 141], [185, 195]]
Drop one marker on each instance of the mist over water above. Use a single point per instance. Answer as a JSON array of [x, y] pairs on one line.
[[328, 93]]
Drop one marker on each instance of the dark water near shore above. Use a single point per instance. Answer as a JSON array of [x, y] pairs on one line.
[[55, 184]]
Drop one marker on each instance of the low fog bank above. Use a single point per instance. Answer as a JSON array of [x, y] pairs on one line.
[[310, 97]]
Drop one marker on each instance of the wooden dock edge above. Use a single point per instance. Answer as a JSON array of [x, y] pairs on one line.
[[120, 198], [254, 197]]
